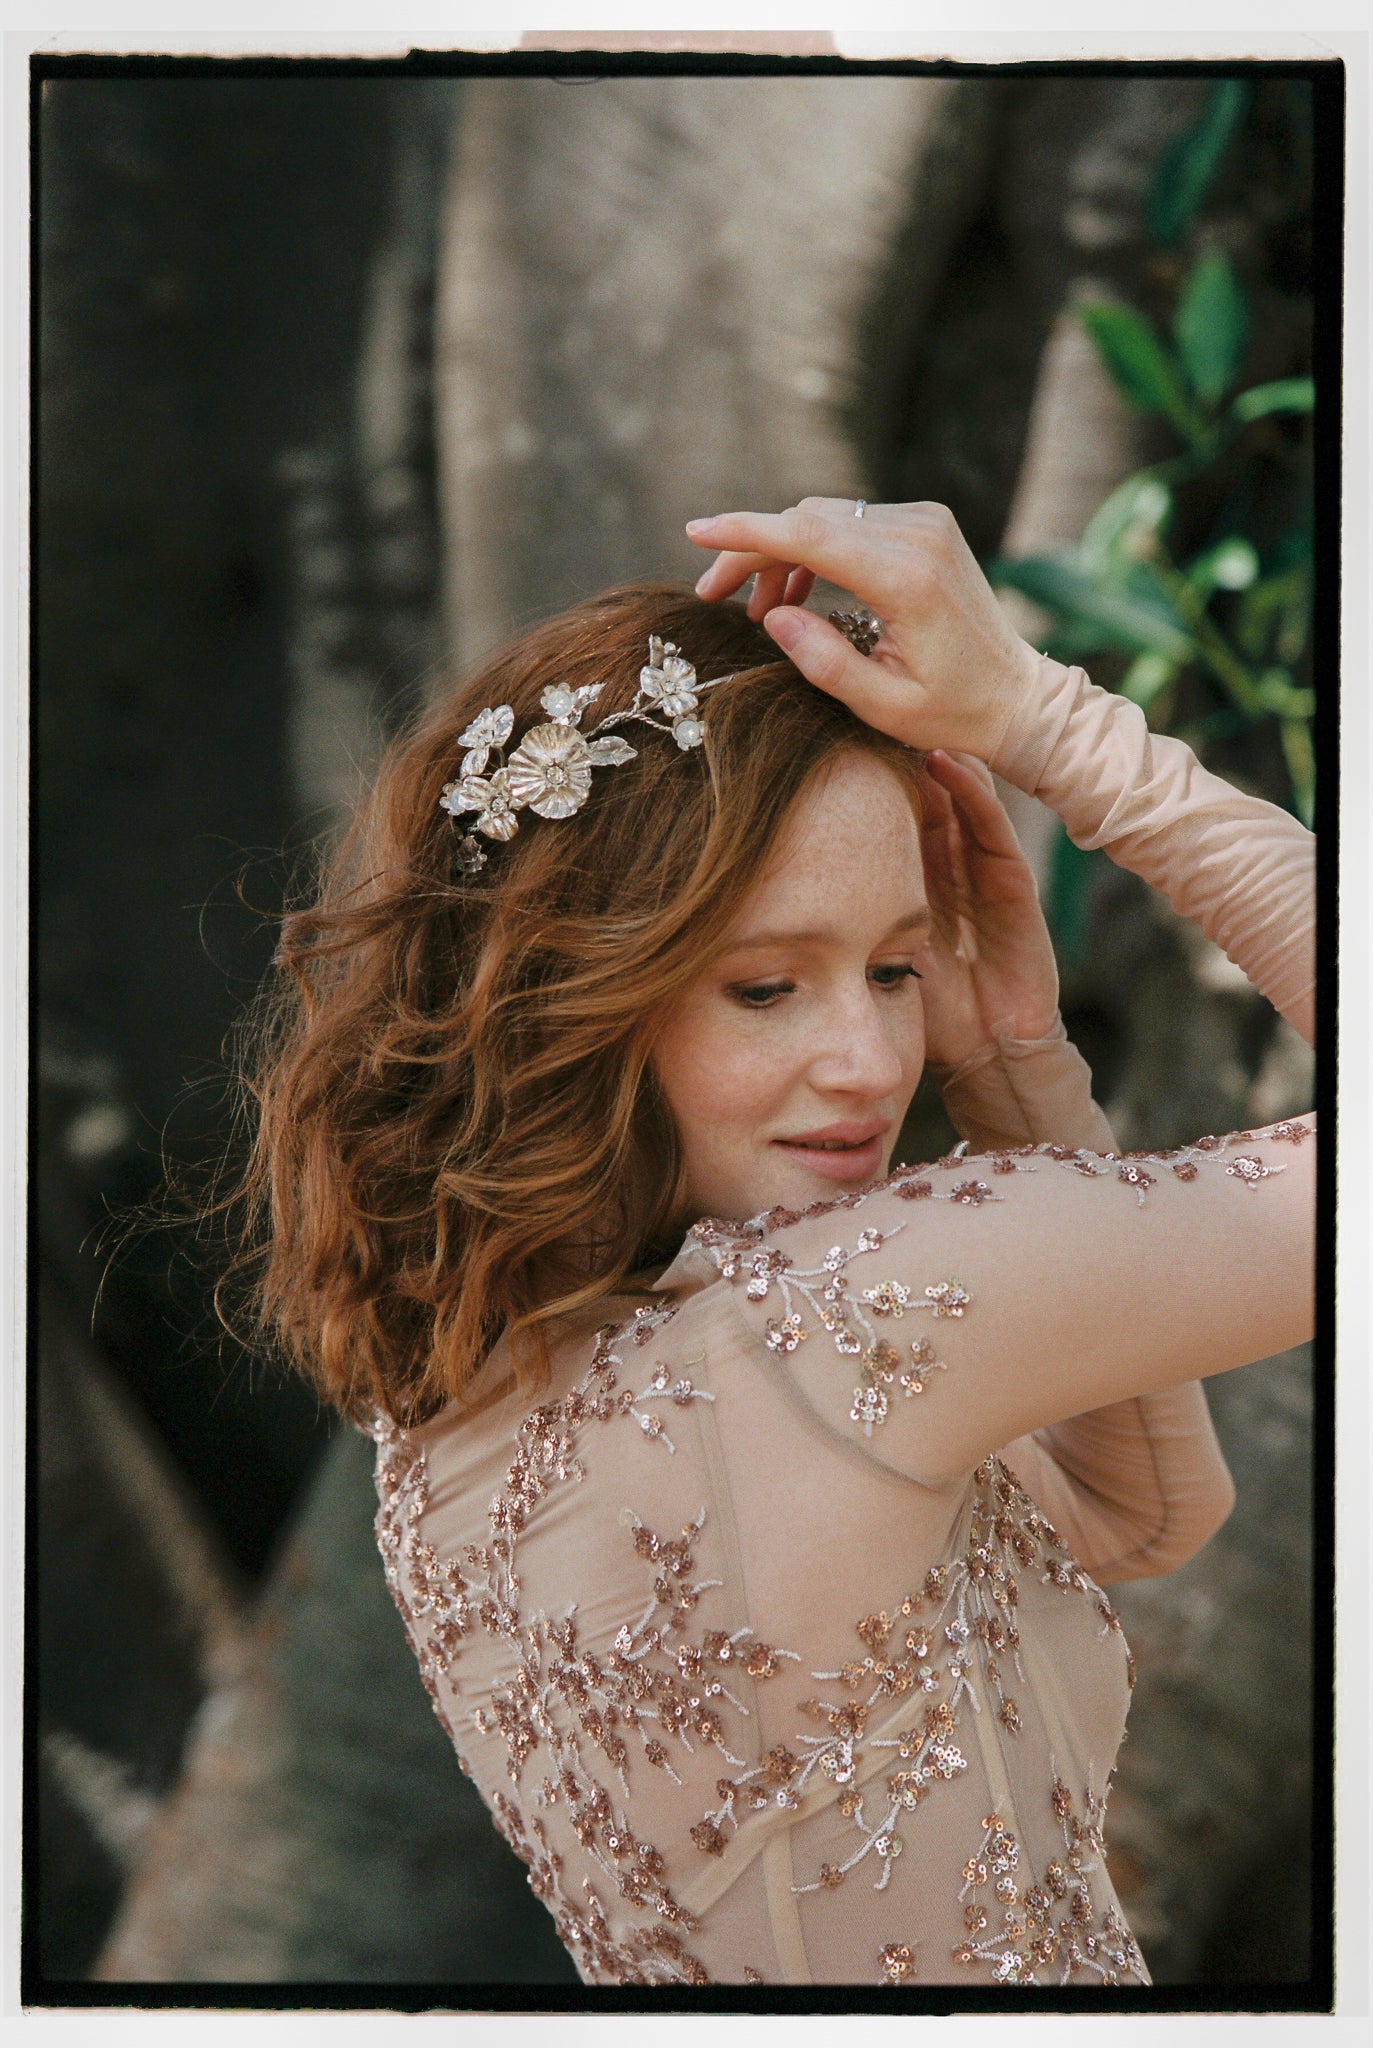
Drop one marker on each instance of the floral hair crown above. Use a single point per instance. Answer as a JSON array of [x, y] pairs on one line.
[[549, 772]]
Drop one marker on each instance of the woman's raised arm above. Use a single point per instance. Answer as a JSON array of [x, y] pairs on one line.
[[977, 1301], [950, 672]]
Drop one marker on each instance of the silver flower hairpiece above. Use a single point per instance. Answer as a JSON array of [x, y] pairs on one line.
[[549, 772]]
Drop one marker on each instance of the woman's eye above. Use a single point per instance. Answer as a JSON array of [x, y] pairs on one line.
[[894, 975], [757, 995]]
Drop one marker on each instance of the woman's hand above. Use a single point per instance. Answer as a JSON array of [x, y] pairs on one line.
[[991, 961], [949, 670]]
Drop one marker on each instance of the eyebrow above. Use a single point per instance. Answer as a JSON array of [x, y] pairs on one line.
[[916, 920]]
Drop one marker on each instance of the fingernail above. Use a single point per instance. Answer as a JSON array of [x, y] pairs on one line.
[[701, 582], [700, 525], [785, 627]]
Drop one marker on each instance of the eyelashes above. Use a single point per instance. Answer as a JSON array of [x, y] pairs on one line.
[[762, 995]]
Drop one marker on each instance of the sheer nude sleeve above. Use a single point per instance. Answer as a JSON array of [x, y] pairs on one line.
[[965, 1306], [1135, 1488], [1240, 868], [1017, 1091]]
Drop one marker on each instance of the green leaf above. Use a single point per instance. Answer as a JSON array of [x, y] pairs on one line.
[[1126, 525], [1076, 641], [1232, 564], [1301, 766], [1145, 677], [1141, 366], [1287, 394], [1189, 164], [1072, 878], [1129, 620], [1211, 325], [1277, 693], [1277, 606]]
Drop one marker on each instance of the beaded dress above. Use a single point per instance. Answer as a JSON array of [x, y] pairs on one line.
[[773, 1633]]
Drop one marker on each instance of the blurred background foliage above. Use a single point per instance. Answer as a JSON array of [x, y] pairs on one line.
[[344, 377], [1190, 588]]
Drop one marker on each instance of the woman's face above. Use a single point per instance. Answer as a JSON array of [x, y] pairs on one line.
[[789, 1063]]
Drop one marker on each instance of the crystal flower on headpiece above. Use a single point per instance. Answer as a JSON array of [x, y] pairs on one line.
[[549, 772]]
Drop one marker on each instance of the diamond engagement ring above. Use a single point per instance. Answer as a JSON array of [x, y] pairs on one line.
[[860, 508]]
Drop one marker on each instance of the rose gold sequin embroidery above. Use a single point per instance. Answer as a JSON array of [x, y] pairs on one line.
[[574, 1722], [1083, 1943], [563, 1701], [898, 1962], [1251, 1170]]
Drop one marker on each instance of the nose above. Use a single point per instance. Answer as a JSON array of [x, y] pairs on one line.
[[857, 1055]]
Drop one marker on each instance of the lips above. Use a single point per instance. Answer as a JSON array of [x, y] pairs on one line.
[[842, 1152]]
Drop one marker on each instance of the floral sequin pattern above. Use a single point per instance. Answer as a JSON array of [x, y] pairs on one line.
[[1046, 1928], [952, 1642], [826, 1297], [1142, 1170], [897, 1962], [573, 1719], [849, 1313]]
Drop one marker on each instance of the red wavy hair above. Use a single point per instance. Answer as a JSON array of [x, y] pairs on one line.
[[456, 1128]]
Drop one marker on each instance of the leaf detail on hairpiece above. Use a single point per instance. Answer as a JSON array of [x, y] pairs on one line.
[[611, 752], [469, 794]]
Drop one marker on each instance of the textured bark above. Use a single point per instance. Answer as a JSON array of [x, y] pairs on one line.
[[321, 1831], [133, 1591], [649, 304], [1214, 1781]]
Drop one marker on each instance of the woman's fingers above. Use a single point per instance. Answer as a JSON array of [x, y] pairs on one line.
[[969, 783], [942, 856], [728, 573], [881, 695], [955, 763], [938, 827], [769, 590], [949, 669], [800, 584], [841, 548]]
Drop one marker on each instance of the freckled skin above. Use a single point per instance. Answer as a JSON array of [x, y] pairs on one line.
[[826, 935]]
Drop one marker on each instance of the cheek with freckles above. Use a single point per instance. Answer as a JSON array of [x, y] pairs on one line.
[[728, 1078], [788, 1064], [736, 1084]]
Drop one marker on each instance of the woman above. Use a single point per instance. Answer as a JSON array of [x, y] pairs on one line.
[[747, 1503]]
